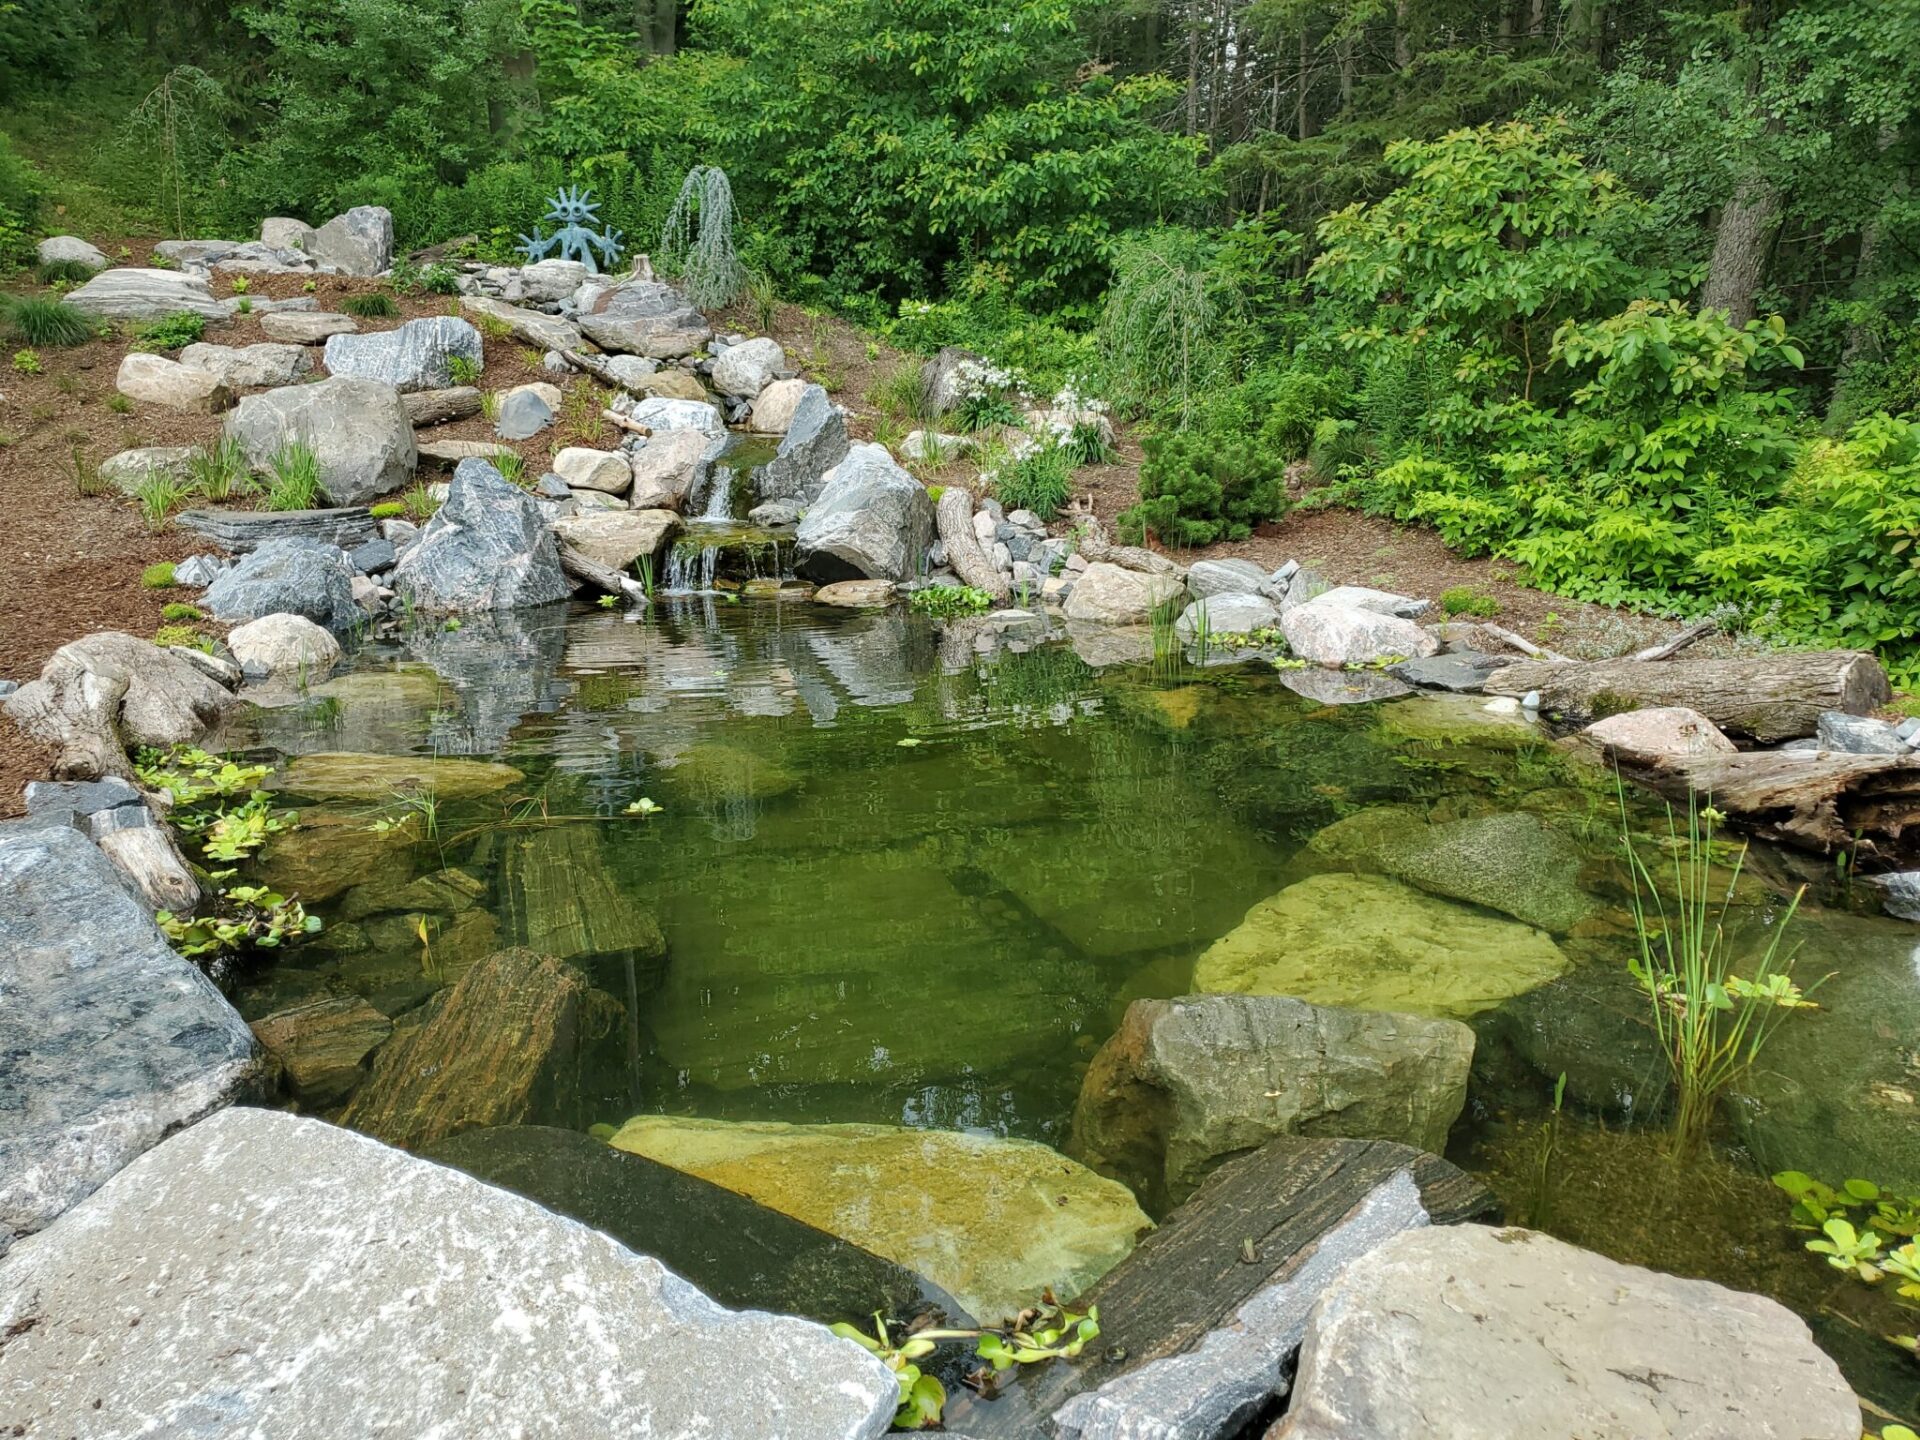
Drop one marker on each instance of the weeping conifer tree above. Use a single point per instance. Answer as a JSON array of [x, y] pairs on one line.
[[697, 241]]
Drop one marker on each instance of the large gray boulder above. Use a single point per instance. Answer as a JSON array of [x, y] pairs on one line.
[[266, 1274], [418, 355], [1327, 631], [644, 317], [744, 370], [249, 367], [1185, 1084], [156, 380], [671, 466], [1207, 578], [71, 249], [1106, 594], [358, 429], [872, 521], [110, 1040], [1225, 614], [487, 548], [815, 440], [137, 294], [359, 242], [289, 576], [1513, 1335]]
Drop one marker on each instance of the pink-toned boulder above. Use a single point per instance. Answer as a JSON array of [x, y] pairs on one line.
[[1666, 732]]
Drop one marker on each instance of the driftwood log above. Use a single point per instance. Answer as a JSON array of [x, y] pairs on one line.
[[1095, 546], [437, 407], [102, 693], [954, 518], [603, 578], [1765, 697], [1196, 1324], [1811, 800]]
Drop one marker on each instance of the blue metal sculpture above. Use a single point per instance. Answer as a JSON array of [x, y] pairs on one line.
[[575, 211]]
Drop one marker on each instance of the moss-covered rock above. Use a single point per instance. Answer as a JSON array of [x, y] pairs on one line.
[[713, 773], [994, 1222], [1376, 944], [337, 775]]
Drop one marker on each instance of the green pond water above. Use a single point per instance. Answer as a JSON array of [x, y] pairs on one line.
[[899, 874]]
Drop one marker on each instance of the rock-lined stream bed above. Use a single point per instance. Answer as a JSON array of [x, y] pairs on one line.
[[895, 885]]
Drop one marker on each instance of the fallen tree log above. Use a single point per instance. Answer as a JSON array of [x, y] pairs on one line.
[[1197, 1324], [437, 407], [599, 577], [1813, 800], [954, 519], [100, 694], [1765, 697]]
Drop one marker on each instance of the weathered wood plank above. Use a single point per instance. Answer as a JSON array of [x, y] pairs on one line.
[[1771, 697], [954, 518], [1238, 1258], [1820, 801]]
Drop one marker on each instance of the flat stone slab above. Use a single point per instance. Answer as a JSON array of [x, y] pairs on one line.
[[108, 1039], [242, 530], [264, 1274], [1513, 1335]]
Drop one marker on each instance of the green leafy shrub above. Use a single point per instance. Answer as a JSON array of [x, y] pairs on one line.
[[1040, 481], [1465, 600], [943, 601], [185, 636], [440, 280], [462, 369], [1197, 487], [171, 332], [27, 362]]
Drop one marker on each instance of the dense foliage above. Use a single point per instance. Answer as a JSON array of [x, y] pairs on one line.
[[1625, 292]]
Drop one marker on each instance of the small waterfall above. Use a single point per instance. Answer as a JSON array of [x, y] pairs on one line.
[[691, 565], [719, 494]]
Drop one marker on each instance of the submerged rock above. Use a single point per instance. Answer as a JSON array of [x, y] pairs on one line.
[[1513, 1335], [321, 1045], [1187, 1083], [263, 1274], [332, 851], [335, 776], [510, 1044], [1376, 944], [715, 772], [738, 1252], [560, 898], [993, 1222], [110, 1040], [1515, 863]]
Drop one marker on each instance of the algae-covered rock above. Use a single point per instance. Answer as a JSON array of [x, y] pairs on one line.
[[1516, 864], [994, 1222], [741, 1253], [329, 851], [561, 899], [340, 776], [321, 1044], [1456, 720], [1185, 1084], [512, 1043], [450, 891], [728, 772], [1376, 944]]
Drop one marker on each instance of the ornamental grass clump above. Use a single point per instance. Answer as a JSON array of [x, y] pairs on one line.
[[1712, 1023]]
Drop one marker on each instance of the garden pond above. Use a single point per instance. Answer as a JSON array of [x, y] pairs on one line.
[[825, 866]]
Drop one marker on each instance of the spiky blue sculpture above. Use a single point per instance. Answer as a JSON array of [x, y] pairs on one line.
[[575, 211]]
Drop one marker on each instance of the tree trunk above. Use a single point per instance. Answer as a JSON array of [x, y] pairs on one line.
[[954, 519], [1859, 343], [1740, 245], [437, 407], [1864, 804], [1537, 19], [1252, 1249], [1303, 80], [1346, 53], [1402, 42], [1768, 697]]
